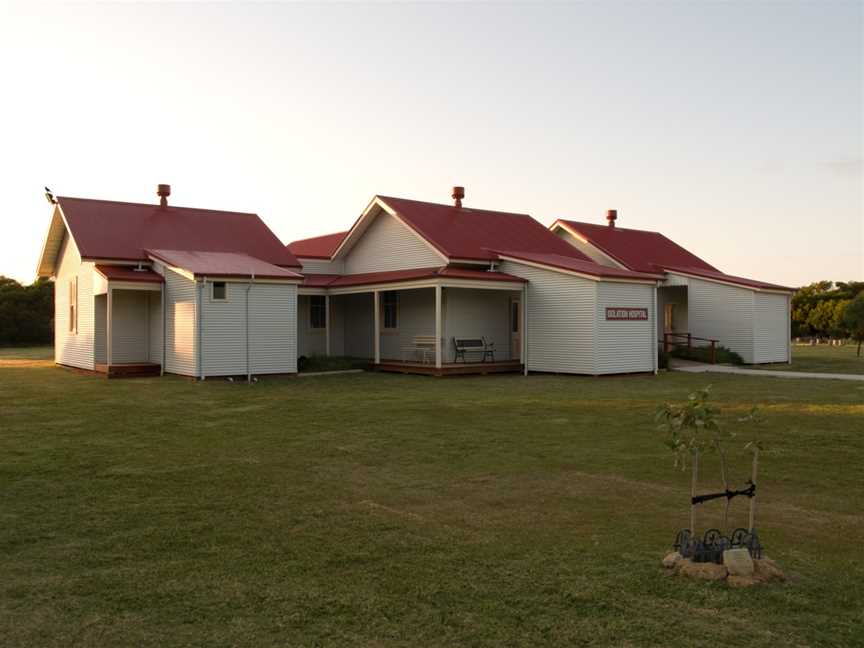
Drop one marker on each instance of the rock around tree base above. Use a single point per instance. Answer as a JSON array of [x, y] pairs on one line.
[[765, 570]]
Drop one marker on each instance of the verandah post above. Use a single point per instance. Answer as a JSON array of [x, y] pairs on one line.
[[376, 307], [438, 326]]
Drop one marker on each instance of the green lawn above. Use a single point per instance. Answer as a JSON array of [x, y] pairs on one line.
[[27, 353], [386, 510], [822, 359]]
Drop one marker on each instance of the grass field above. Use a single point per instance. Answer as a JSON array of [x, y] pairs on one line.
[[822, 359], [386, 510]]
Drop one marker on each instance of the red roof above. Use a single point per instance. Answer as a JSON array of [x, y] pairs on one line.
[[318, 247], [465, 233], [639, 250], [652, 252], [368, 278], [222, 264], [128, 273], [583, 267], [721, 276], [105, 229]]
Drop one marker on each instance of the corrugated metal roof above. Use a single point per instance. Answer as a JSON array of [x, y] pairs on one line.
[[127, 273], [639, 250], [106, 229], [722, 276], [392, 276], [474, 234], [317, 247], [583, 267], [222, 264]]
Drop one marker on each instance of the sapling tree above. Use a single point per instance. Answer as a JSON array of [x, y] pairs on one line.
[[694, 428]]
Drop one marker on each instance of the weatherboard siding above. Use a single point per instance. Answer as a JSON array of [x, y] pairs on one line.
[[587, 249], [155, 326], [181, 335], [272, 312], [771, 327], [561, 319], [720, 312], [74, 349], [624, 346], [322, 266], [388, 245], [129, 326], [273, 332], [470, 313], [310, 341]]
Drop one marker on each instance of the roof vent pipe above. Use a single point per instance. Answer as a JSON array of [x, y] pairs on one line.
[[458, 195], [163, 191], [612, 216]]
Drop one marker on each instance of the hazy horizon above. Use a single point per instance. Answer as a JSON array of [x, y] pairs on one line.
[[734, 129]]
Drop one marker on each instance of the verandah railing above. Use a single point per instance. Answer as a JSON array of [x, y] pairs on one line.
[[685, 340]]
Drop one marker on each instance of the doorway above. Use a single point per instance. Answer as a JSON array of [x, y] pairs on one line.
[[515, 329]]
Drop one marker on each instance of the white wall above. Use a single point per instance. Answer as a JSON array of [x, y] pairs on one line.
[[625, 346], [561, 319], [322, 266], [309, 341], [129, 326], [386, 245], [155, 326], [771, 327], [587, 249], [357, 309], [272, 329], [74, 349], [476, 313], [723, 313], [181, 350]]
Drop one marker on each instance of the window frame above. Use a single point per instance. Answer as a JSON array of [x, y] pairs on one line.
[[72, 309], [320, 307], [213, 297], [393, 303]]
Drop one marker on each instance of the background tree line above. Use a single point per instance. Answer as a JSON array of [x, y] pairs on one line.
[[828, 309], [26, 312]]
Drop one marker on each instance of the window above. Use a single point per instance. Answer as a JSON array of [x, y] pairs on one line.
[[390, 310], [220, 291], [317, 312], [73, 305], [514, 316]]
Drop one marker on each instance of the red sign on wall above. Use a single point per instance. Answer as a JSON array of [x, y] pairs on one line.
[[617, 313]]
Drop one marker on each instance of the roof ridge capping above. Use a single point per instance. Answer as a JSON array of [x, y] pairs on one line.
[[156, 206]]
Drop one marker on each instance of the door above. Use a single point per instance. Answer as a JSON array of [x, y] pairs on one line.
[[669, 318], [515, 329]]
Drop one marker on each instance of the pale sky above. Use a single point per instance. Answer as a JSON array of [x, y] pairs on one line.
[[733, 128]]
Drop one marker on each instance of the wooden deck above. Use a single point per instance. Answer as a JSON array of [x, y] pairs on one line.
[[129, 369], [450, 368]]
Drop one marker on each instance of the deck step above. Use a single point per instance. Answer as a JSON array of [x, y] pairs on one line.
[[130, 369]]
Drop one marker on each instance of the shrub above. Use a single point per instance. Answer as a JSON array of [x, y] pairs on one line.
[[662, 359], [329, 363], [703, 354]]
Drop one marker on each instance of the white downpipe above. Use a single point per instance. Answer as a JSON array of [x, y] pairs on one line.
[[655, 326], [164, 329], [201, 290], [524, 336], [248, 335]]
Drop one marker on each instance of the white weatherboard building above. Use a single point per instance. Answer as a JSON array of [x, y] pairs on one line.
[[412, 286], [147, 289]]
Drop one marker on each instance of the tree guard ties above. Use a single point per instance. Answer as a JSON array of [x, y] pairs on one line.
[[750, 491]]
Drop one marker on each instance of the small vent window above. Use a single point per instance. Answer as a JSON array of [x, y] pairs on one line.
[[220, 291]]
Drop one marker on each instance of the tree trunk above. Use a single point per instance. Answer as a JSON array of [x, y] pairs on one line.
[[695, 474], [753, 480]]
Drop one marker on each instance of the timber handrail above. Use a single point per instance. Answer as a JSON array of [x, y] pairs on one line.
[[668, 343]]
